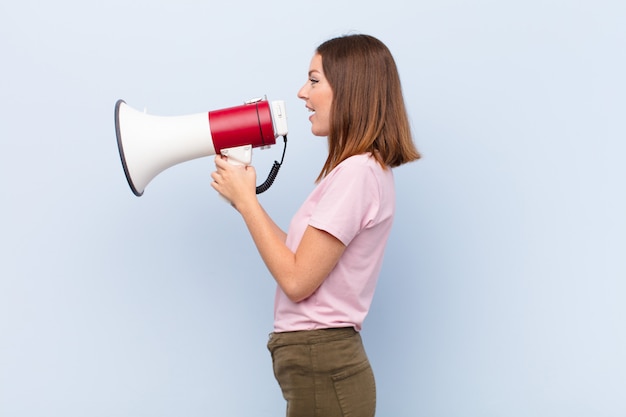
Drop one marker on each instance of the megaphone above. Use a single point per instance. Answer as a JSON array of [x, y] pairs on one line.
[[150, 144]]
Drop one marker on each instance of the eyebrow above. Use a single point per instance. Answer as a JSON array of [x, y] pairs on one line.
[[312, 71]]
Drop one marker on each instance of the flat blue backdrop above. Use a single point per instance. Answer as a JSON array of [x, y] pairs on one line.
[[503, 288]]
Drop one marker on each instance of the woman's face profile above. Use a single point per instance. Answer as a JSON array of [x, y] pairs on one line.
[[318, 96]]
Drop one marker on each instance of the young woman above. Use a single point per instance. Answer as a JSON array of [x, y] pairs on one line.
[[327, 264]]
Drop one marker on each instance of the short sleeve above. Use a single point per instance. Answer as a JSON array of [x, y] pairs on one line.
[[349, 202]]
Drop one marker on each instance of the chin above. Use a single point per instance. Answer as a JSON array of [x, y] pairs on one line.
[[319, 132]]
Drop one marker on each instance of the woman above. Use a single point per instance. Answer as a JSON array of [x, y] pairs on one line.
[[327, 265]]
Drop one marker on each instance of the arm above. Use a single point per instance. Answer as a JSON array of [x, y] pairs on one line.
[[298, 274]]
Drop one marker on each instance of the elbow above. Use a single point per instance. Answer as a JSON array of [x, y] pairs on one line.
[[297, 298], [297, 293], [297, 284]]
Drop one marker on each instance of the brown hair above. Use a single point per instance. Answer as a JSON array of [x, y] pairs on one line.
[[368, 113]]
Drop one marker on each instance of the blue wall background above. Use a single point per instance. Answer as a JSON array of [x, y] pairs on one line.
[[503, 288]]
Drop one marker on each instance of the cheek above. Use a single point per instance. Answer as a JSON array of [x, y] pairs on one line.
[[327, 111], [328, 103]]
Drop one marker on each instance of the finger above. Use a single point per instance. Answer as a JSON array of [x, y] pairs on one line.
[[220, 162], [216, 188]]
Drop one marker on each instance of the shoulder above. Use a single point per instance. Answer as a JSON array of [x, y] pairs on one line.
[[359, 175], [362, 163]]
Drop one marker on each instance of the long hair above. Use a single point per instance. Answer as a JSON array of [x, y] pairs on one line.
[[368, 113]]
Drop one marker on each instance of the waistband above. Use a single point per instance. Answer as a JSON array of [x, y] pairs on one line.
[[309, 337]]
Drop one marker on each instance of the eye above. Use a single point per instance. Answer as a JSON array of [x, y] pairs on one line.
[[313, 81]]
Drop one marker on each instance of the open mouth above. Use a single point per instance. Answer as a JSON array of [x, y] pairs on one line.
[[311, 113]]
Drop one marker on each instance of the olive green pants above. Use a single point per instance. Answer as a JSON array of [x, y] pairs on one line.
[[323, 373]]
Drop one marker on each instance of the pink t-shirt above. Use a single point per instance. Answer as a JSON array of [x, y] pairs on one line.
[[355, 203]]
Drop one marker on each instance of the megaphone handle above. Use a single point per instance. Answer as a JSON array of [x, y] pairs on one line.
[[238, 155]]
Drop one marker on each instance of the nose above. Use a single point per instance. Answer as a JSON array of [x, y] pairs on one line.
[[302, 93]]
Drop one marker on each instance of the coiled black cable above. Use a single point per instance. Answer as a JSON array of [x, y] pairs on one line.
[[273, 172]]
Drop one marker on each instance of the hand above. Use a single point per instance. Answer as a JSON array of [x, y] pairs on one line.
[[236, 183]]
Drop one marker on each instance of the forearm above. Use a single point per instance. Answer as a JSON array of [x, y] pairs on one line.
[[270, 242], [282, 236]]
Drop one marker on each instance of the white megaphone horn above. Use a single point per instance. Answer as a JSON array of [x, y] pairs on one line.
[[150, 144]]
